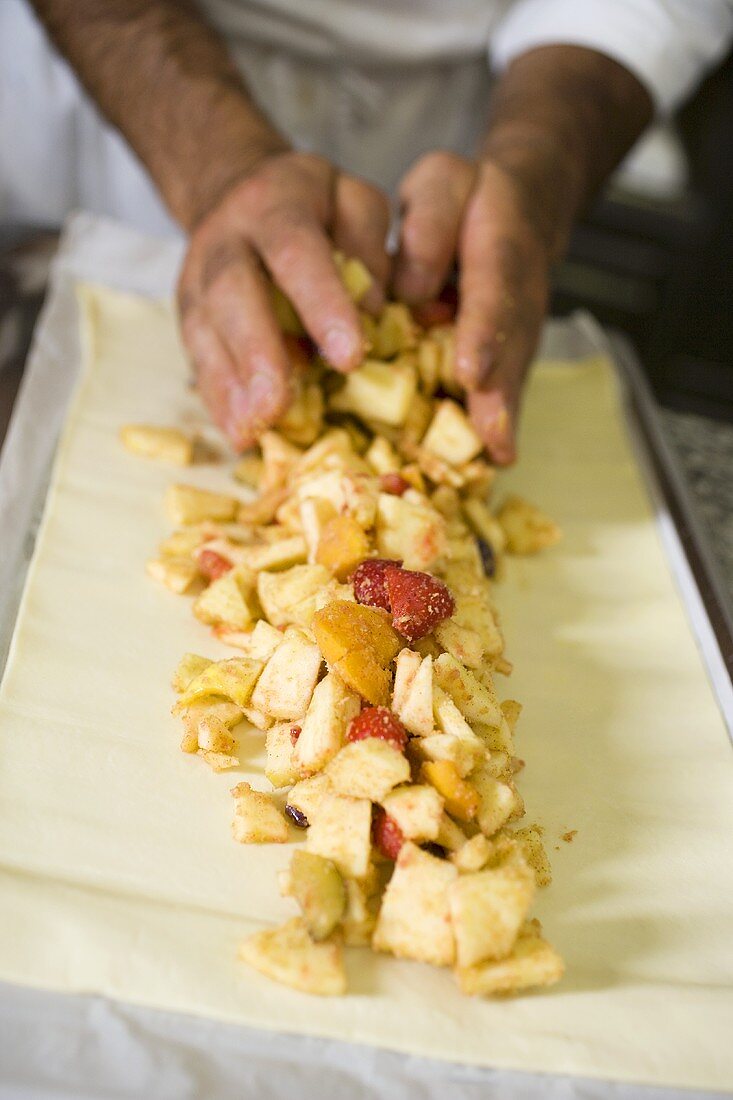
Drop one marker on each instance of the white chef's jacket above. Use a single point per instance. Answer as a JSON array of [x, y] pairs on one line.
[[371, 84]]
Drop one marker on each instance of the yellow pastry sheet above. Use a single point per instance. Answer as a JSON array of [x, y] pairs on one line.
[[118, 873]]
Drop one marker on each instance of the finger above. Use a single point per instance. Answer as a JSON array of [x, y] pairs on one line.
[[216, 378], [237, 304], [494, 407], [490, 274], [360, 227], [433, 195], [298, 253]]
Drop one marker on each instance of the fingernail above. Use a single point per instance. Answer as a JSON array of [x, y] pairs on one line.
[[341, 347]]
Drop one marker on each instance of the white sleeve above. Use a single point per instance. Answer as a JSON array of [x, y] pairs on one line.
[[667, 44]]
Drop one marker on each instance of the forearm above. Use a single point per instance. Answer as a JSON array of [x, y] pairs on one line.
[[164, 78], [561, 118]]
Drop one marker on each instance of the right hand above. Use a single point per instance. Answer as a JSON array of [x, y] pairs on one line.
[[284, 216]]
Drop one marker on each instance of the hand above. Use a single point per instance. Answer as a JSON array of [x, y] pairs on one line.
[[475, 214], [284, 216]]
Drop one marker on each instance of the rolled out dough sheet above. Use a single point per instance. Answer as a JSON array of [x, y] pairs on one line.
[[117, 871]]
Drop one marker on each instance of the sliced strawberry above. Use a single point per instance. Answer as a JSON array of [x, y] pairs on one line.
[[395, 484], [377, 722], [213, 565], [418, 601], [386, 834], [368, 579]]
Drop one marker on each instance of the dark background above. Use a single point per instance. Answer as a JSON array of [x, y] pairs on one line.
[[662, 269]]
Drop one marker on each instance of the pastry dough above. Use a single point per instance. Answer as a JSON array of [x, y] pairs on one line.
[[118, 874]]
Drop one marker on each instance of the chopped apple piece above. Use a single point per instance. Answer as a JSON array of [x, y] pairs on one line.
[[511, 710], [185, 504], [414, 919], [382, 456], [303, 420], [249, 470], [354, 275], [228, 601], [331, 708], [307, 795], [416, 710], [288, 955], [463, 754], [279, 767], [286, 684], [368, 769], [498, 801], [527, 529], [166, 444], [474, 613], [462, 642], [290, 597], [177, 574], [474, 854], [532, 963], [188, 668], [257, 718], [315, 513], [277, 555], [279, 458], [417, 809], [488, 908], [396, 333], [484, 523], [407, 664], [259, 643], [233, 678], [341, 832], [450, 835], [257, 819], [358, 920], [451, 435], [476, 701], [408, 529], [317, 886], [378, 391]]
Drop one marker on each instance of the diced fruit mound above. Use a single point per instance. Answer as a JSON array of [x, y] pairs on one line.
[[386, 834], [418, 601], [378, 722], [369, 582], [395, 484], [213, 565]]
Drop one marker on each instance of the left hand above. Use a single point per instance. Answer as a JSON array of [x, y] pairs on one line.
[[475, 214]]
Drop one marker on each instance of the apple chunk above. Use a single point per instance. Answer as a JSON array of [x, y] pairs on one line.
[[286, 684], [288, 955], [368, 769], [487, 910], [414, 920], [331, 708]]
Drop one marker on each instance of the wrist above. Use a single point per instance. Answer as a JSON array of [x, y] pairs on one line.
[[546, 177], [224, 145]]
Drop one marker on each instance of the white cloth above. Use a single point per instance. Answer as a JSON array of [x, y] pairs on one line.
[[370, 83]]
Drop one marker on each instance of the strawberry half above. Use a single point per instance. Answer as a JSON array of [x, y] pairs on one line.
[[377, 722], [418, 602], [368, 580]]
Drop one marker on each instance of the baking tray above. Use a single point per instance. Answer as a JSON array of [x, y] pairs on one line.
[[88, 1046]]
